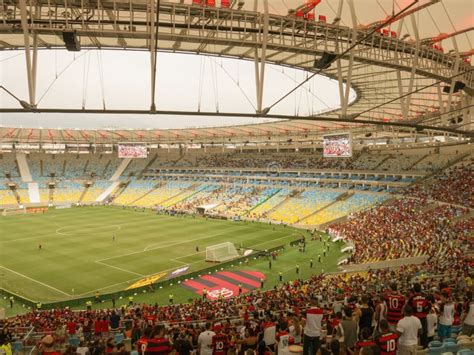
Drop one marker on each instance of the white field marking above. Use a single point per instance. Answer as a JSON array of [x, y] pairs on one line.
[[134, 279], [163, 245], [119, 268], [79, 230], [171, 243], [185, 256], [50, 234], [154, 273], [38, 282]]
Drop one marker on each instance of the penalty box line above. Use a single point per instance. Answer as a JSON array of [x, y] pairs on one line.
[[163, 246], [166, 270], [38, 282]]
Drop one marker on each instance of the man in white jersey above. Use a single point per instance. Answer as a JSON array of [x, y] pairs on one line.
[[468, 325], [205, 340], [312, 328]]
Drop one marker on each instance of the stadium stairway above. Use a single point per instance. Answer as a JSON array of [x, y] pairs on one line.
[[121, 168], [185, 197], [262, 202], [418, 161], [338, 198], [108, 191], [181, 196], [427, 178], [382, 161], [293, 194], [23, 167], [157, 186], [123, 185], [33, 192], [86, 188]]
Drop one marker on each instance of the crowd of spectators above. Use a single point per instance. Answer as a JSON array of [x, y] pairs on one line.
[[455, 186], [342, 313], [252, 321], [403, 228]]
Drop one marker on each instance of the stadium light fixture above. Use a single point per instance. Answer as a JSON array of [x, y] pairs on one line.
[[27, 106]]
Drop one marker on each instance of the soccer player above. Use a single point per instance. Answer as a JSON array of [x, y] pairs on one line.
[[395, 302], [113, 238], [40, 247], [387, 340]]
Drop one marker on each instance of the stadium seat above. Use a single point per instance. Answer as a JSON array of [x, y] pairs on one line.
[[17, 347], [119, 338], [74, 341]]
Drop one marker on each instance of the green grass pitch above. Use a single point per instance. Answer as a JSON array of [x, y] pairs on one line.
[[79, 255]]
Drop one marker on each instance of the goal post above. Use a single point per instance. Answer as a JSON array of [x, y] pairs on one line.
[[221, 252]]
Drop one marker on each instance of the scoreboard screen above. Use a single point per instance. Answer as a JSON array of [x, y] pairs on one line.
[[337, 145], [132, 151]]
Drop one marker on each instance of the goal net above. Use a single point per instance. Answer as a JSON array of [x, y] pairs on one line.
[[221, 252], [13, 211]]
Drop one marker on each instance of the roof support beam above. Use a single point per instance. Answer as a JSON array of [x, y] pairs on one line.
[[30, 70], [261, 59]]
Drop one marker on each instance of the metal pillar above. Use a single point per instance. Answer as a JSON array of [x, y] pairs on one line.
[[152, 29], [260, 59], [30, 72], [345, 92]]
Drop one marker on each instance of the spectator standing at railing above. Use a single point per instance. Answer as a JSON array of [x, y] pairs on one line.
[[312, 328]]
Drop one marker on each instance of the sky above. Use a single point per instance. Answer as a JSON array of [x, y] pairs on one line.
[[121, 79]]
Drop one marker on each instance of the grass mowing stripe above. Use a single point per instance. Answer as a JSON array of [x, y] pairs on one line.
[[68, 261], [36, 281]]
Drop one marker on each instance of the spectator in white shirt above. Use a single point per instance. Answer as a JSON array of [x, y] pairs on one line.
[[312, 328], [432, 320], [468, 325], [446, 316], [409, 328], [205, 340]]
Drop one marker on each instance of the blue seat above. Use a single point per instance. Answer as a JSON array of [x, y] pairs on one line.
[[465, 352], [119, 338], [134, 352], [436, 350], [451, 347], [435, 343], [17, 346], [74, 341]]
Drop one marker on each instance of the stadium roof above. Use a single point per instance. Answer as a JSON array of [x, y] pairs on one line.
[[390, 52]]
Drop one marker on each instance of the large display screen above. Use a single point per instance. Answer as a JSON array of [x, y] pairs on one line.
[[337, 145], [132, 151]]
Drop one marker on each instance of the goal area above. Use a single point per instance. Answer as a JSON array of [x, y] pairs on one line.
[[221, 252], [13, 211]]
